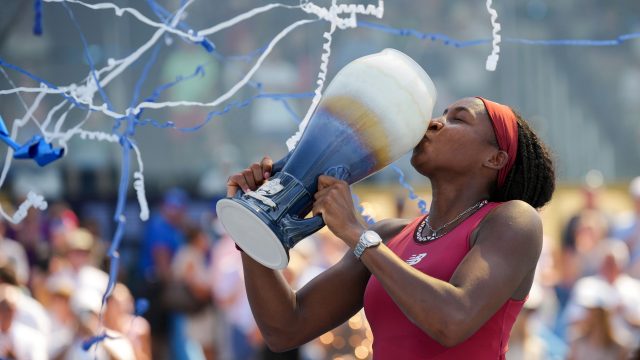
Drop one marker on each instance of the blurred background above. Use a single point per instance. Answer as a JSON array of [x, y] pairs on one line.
[[583, 101]]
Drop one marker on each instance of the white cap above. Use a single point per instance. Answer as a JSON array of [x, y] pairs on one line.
[[86, 300], [592, 292]]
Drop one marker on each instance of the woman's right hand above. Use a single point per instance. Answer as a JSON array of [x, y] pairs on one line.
[[250, 178]]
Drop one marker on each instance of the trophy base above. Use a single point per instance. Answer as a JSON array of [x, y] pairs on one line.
[[252, 235]]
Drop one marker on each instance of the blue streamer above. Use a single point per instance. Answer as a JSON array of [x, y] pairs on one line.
[[422, 204], [88, 56], [356, 201], [113, 254], [446, 40], [45, 82], [575, 42], [293, 114], [87, 344], [37, 22], [164, 15]]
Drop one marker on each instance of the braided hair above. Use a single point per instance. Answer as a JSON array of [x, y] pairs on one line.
[[532, 178]]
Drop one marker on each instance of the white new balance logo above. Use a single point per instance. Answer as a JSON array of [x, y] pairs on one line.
[[414, 259]]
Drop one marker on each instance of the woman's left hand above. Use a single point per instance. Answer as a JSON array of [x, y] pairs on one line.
[[333, 201]]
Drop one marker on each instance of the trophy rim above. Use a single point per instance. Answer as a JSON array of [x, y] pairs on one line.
[[251, 234]]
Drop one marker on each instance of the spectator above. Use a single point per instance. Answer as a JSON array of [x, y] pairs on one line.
[[63, 321], [28, 311], [77, 262], [17, 341], [596, 340], [15, 254], [591, 232], [190, 267], [628, 229], [243, 338], [113, 345], [612, 287], [590, 196], [119, 316], [61, 221], [162, 238]]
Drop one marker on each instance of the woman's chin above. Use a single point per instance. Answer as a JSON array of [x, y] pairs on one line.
[[418, 163]]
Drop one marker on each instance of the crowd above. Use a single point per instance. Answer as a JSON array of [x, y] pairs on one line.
[[585, 303], [183, 297]]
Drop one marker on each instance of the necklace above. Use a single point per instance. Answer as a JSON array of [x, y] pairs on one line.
[[436, 234]]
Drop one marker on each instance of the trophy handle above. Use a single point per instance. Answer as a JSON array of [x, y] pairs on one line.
[[297, 228]]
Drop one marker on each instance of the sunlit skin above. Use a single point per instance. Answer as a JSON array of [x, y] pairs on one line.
[[459, 155]]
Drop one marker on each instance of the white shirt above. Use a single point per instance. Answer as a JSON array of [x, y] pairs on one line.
[[24, 342], [31, 313], [622, 297]]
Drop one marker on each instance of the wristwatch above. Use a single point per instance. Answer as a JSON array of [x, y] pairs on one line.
[[367, 239]]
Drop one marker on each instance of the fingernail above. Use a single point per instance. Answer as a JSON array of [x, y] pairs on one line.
[[266, 175]]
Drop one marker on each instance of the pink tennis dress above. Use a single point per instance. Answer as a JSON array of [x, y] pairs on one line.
[[395, 337]]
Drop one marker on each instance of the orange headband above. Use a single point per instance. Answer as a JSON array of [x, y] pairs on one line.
[[505, 126]]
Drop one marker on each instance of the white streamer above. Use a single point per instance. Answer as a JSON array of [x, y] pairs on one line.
[[138, 186], [492, 59], [330, 15], [341, 16], [236, 87], [33, 201]]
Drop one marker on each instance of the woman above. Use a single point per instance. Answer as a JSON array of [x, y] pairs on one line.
[[446, 286]]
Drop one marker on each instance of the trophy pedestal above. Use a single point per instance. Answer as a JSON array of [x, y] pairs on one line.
[[252, 234]]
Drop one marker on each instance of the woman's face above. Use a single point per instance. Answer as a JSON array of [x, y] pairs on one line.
[[459, 141]]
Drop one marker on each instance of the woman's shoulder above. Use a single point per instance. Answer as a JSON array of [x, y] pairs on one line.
[[515, 210], [389, 228], [513, 217]]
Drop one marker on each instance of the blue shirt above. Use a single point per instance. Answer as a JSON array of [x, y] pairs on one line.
[[158, 233]]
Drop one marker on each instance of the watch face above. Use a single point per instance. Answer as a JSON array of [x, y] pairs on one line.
[[372, 238]]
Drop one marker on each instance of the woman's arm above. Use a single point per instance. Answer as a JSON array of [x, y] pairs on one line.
[[286, 318]]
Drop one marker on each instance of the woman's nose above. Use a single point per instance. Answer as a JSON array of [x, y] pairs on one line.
[[435, 124]]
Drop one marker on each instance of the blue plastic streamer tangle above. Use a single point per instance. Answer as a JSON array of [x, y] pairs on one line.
[[132, 122]]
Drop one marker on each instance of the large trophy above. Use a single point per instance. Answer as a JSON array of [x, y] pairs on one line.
[[376, 109]]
